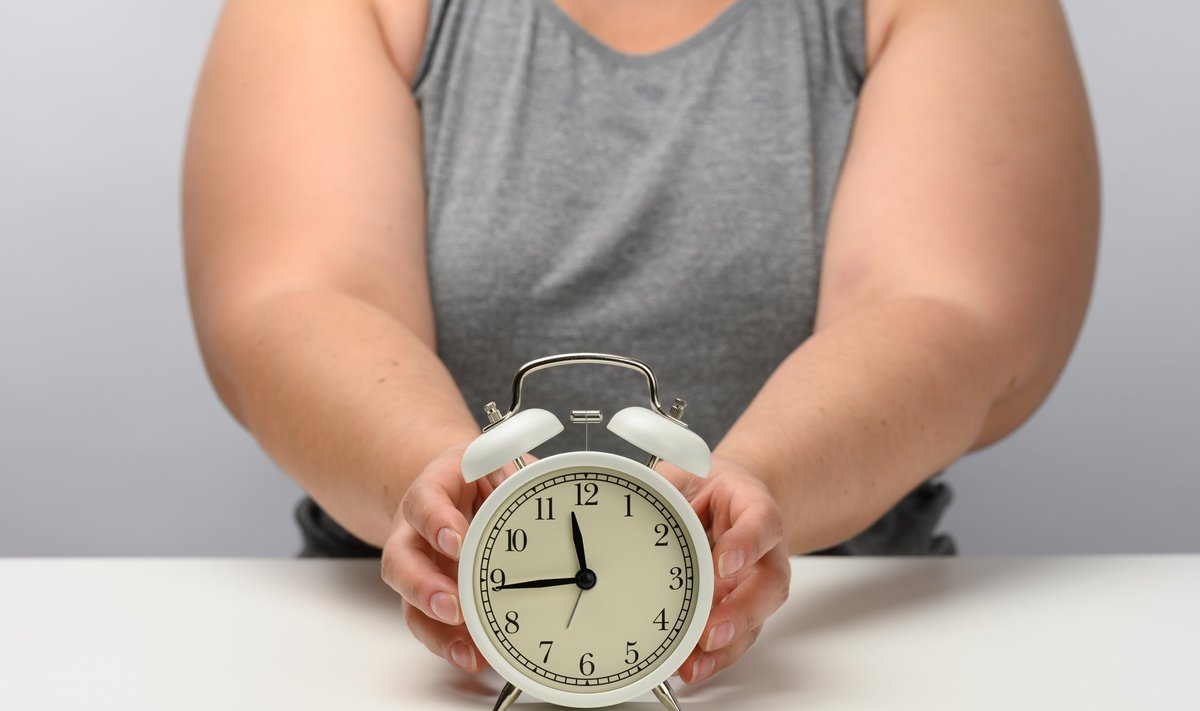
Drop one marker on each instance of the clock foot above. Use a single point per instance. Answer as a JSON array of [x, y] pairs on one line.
[[666, 696], [508, 695]]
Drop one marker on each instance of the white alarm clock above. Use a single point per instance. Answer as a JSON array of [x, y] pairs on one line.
[[586, 578]]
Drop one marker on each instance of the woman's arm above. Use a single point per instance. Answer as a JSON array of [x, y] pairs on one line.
[[959, 262], [305, 248]]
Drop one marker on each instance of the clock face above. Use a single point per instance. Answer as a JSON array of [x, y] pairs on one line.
[[603, 624]]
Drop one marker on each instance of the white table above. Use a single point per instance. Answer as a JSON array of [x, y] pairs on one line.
[[214, 634]]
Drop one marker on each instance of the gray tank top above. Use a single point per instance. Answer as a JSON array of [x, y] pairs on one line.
[[669, 207]]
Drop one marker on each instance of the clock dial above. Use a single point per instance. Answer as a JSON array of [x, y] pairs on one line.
[[585, 579]]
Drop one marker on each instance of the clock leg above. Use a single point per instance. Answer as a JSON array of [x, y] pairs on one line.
[[507, 696], [666, 696]]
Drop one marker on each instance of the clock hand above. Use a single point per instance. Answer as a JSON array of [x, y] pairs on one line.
[[574, 608], [547, 583], [585, 578], [577, 535]]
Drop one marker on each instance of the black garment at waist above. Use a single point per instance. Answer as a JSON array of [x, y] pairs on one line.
[[909, 529]]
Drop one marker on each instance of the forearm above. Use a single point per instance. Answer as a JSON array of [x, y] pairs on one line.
[[344, 397], [957, 267], [868, 408]]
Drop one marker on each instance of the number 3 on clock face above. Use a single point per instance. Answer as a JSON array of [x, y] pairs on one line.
[[586, 579]]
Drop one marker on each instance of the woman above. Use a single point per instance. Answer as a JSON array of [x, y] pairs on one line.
[[863, 233]]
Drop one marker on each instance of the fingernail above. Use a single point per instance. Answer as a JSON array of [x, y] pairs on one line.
[[445, 607], [730, 563], [463, 656], [449, 541], [703, 667], [720, 636]]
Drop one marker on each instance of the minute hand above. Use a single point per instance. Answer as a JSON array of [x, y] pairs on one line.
[[547, 583]]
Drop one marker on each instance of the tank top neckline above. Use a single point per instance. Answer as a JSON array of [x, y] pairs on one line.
[[714, 26]]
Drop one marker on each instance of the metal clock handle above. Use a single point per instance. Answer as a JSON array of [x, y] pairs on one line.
[[554, 361]]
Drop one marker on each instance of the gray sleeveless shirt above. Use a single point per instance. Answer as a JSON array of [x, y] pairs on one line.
[[669, 207]]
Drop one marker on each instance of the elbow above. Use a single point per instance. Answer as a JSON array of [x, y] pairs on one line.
[[1044, 340], [234, 331], [216, 340]]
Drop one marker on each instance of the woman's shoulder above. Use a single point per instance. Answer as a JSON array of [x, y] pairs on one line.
[[403, 24], [879, 17], [887, 19]]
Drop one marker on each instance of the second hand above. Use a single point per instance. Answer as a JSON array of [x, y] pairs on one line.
[[574, 608]]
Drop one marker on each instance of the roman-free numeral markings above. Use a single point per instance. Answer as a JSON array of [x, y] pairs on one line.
[[517, 539], [549, 509], [589, 489], [662, 530], [534, 654]]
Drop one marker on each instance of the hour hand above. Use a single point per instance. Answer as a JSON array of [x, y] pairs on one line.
[[577, 535], [546, 583]]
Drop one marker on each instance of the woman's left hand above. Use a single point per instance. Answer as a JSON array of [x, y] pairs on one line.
[[750, 559]]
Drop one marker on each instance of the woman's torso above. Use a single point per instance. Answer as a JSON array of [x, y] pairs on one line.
[[669, 207]]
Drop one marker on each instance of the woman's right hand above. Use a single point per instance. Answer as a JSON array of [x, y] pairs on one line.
[[420, 558]]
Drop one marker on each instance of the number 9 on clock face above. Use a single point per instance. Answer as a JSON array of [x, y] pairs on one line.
[[586, 579]]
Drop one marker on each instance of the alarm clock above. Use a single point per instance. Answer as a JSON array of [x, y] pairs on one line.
[[585, 578]]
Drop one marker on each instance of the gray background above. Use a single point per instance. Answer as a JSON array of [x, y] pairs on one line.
[[112, 443]]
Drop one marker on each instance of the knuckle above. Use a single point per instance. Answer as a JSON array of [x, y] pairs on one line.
[[418, 624], [726, 658], [406, 503], [496, 478], [435, 520], [396, 573], [389, 567], [409, 505], [749, 621], [785, 591], [772, 522], [423, 591]]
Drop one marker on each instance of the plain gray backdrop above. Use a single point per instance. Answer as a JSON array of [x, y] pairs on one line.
[[112, 442]]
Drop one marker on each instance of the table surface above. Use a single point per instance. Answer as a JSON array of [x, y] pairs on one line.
[[967, 633]]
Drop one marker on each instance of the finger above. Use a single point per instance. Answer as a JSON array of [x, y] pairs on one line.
[[450, 642], [702, 665], [492, 481], [410, 570], [757, 596], [431, 507], [755, 528], [687, 483]]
